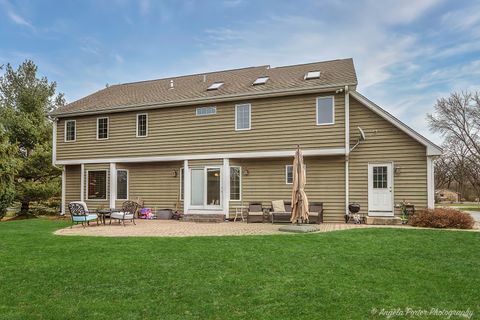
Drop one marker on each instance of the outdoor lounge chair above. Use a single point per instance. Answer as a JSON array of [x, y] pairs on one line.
[[255, 212], [129, 208], [281, 211], [80, 214], [315, 212]]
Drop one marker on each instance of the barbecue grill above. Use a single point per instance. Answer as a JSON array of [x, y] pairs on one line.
[[353, 213]]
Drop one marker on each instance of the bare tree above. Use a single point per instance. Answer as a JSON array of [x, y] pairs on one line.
[[457, 118]]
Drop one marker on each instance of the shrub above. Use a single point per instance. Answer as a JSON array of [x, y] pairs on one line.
[[442, 218]]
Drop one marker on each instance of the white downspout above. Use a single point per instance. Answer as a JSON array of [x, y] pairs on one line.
[[430, 183], [226, 186], [64, 187], [54, 143], [186, 187], [347, 148], [113, 184], [82, 182]]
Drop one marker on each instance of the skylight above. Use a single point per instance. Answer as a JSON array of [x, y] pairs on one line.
[[215, 86], [312, 75], [260, 80]]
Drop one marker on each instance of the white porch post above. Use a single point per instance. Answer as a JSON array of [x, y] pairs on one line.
[[113, 184], [347, 148], [82, 182], [54, 142], [226, 186], [64, 176], [430, 183], [186, 187]]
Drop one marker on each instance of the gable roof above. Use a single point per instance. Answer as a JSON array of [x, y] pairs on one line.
[[432, 148], [237, 83]]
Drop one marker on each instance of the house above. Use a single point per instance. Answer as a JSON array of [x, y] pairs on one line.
[[206, 143]]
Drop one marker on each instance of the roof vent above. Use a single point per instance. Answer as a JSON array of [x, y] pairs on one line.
[[312, 75], [215, 86], [260, 80], [171, 84]]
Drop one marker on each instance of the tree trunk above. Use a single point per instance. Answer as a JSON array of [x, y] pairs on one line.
[[25, 208]]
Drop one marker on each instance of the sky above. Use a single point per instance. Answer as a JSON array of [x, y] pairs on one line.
[[407, 53]]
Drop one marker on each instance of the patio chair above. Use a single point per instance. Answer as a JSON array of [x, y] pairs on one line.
[[315, 212], [255, 212], [80, 214], [129, 208], [281, 211]]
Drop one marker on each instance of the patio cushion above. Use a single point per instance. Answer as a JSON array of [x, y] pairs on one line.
[[83, 204], [119, 215], [85, 218], [255, 213], [278, 206]]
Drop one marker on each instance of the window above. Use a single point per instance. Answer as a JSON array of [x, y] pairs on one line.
[[122, 184], [182, 181], [235, 183], [260, 80], [215, 86], [102, 128], [205, 111], [380, 177], [325, 110], [97, 185], [70, 130], [242, 117], [142, 125], [312, 75], [289, 173]]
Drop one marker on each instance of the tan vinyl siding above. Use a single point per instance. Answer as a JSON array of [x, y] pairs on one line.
[[72, 185], [386, 142], [277, 124], [266, 182], [153, 184]]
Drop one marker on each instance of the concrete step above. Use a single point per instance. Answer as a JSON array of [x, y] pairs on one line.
[[384, 220], [199, 217]]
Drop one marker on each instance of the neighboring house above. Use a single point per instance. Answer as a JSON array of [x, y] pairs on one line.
[[206, 143], [447, 195]]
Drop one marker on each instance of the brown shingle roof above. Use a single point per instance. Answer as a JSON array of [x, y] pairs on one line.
[[193, 87]]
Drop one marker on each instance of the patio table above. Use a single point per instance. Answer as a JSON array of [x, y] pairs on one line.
[[103, 213]]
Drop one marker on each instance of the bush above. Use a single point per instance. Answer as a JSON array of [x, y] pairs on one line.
[[442, 218]]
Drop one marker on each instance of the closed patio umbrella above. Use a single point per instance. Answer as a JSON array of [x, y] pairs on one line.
[[299, 197]]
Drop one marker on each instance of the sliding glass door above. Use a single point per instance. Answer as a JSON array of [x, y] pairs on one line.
[[206, 190]]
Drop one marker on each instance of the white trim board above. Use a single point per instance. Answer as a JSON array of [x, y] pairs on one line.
[[237, 155], [432, 149]]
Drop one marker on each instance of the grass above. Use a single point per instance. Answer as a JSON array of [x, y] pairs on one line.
[[471, 206], [337, 275]]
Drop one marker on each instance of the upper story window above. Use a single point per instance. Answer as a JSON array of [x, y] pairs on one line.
[[215, 86], [142, 125], [97, 185], [312, 75], [70, 130], [243, 117], [205, 111], [325, 110], [260, 80], [102, 128]]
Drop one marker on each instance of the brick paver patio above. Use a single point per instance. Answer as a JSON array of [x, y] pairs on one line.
[[171, 228]]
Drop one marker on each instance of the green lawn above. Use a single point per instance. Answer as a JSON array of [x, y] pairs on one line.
[[470, 206], [337, 275]]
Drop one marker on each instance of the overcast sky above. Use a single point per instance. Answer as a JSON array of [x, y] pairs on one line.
[[406, 53]]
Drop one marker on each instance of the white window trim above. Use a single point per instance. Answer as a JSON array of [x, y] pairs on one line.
[[240, 187], [108, 128], [128, 184], [206, 114], [286, 172], [146, 125], [65, 131], [333, 111], [181, 184], [106, 185], [249, 116]]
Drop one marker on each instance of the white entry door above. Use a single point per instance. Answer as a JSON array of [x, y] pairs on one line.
[[206, 188], [380, 191]]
